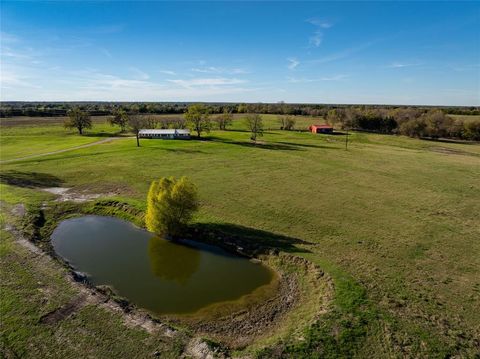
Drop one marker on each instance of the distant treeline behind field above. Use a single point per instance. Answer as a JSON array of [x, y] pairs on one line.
[[414, 121]]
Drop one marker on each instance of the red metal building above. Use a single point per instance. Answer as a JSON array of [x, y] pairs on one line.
[[321, 129]]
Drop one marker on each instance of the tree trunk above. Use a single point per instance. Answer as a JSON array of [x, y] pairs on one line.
[[80, 130], [138, 141]]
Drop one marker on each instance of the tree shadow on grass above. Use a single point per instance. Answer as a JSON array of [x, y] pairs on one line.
[[29, 179], [178, 150], [105, 134], [308, 145], [249, 239], [447, 140], [266, 132], [67, 155], [266, 146]]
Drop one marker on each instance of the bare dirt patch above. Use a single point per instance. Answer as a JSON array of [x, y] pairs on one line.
[[306, 287], [198, 349], [64, 311], [451, 151], [241, 327], [18, 210], [65, 194]]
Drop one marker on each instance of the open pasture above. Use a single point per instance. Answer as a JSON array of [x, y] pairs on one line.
[[393, 220]]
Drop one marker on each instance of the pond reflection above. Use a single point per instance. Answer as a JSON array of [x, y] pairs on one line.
[[171, 261], [153, 273]]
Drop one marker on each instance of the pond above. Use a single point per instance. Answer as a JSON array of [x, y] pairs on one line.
[[159, 275]]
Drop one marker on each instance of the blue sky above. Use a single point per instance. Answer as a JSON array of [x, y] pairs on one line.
[[309, 52]]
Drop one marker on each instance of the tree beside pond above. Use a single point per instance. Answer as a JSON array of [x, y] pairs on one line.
[[171, 204], [78, 119]]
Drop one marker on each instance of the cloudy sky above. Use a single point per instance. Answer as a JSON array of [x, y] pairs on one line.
[[315, 52]]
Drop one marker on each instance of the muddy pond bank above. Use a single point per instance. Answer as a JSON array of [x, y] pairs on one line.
[[159, 275], [300, 296]]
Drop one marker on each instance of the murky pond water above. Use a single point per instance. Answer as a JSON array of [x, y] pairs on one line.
[[156, 274]]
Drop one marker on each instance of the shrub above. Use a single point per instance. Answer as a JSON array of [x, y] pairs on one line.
[[171, 204], [471, 130], [287, 123]]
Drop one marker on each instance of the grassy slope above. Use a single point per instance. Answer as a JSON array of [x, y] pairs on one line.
[[23, 136], [19, 141], [466, 117], [32, 287], [394, 220]]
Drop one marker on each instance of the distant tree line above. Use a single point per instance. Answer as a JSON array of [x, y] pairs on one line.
[[413, 122], [431, 122], [50, 109]]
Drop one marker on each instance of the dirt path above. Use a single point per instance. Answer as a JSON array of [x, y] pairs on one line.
[[109, 139]]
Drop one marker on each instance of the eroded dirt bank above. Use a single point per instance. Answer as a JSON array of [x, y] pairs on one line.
[[301, 293]]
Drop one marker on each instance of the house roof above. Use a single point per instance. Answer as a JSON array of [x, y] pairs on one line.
[[168, 131]]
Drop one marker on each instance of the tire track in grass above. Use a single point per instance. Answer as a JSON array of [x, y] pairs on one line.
[[106, 140]]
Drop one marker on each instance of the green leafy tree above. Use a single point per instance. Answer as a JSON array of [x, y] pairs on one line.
[[471, 130], [242, 108], [255, 125], [78, 119], [334, 117], [119, 118], [437, 123], [287, 123], [414, 128], [198, 118], [171, 204], [224, 120]]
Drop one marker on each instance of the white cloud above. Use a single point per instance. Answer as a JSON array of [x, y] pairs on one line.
[[6, 37], [320, 23], [139, 74], [398, 65], [92, 85], [293, 63], [8, 52], [334, 78], [326, 78], [167, 72], [219, 70], [206, 82], [105, 52], [342, 54], [12, 76], [103, 29], [316, 39]]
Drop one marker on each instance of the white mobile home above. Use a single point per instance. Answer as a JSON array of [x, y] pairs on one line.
[[165, 134]]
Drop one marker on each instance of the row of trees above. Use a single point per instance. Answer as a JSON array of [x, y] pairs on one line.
[[405, 121], [197, 118], [9, 109], [81, 120], [411, 122]]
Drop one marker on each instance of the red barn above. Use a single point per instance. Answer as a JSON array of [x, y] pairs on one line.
[[321, 129]]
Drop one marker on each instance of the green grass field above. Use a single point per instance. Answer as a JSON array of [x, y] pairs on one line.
[[395, 221]]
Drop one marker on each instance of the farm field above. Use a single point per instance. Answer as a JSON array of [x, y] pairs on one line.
[[394, 221]]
